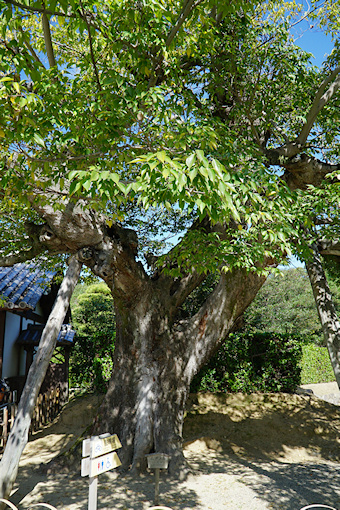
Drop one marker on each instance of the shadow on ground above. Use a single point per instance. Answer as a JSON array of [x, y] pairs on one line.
[[252, 452]]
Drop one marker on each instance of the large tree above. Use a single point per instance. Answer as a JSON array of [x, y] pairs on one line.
[[195, 118]]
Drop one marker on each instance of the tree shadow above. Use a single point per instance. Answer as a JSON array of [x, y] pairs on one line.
[[286, 454], [255, 455], [268, 427], [119, 492]]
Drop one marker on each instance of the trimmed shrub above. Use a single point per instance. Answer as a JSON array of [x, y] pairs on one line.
[[250, 362], [315, 365]]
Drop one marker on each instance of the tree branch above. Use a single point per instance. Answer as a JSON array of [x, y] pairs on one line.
[[48, 40], [189, 6], [289, 150], [218, 316], [91, 48], [306, 170], [321, 99], [23, 256]]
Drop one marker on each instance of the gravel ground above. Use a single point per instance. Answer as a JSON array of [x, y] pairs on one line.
[[327, 391], [253, 452]]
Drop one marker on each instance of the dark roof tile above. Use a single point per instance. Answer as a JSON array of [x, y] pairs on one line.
[[32, 335], [23, 285]]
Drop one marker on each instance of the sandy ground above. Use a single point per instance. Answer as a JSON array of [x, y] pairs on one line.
[[252, 452]]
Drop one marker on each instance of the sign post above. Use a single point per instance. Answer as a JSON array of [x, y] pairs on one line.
[[98, 457], [157, 461]]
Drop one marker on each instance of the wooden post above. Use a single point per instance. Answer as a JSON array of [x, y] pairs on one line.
[[157, 461], [19, 434], [93, 489], [156, 501]]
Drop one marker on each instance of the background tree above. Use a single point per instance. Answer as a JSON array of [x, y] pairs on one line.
[[285, 304], [91, 358], [279, 326], [201, 118]]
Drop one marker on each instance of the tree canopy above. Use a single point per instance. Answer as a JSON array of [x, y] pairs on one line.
[[185, 109]]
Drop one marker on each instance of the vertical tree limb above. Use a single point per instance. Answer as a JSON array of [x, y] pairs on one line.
[[48, 40], [93, 60], [326, 310], [18, 436]]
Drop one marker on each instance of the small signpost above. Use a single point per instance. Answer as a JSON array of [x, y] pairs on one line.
[[98, 457], [157, 461]]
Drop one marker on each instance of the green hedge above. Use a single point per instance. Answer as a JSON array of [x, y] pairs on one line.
[[250, 362], [315, 365]]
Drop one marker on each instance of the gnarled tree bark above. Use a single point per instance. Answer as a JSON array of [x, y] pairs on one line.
[[157, 355]]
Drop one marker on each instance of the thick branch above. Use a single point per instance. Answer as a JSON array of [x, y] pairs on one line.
[[218, 316], [321, 99], [23, 256], [181, 287], [304, 170], [329, 247], [48, 40]]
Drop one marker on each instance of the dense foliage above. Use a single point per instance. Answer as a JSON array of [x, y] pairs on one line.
[[285, 305], [184, 106], [250, 362], [315, 364], [94, 322]]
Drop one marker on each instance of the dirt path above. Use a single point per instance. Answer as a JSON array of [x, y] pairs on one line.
[[253, 452]]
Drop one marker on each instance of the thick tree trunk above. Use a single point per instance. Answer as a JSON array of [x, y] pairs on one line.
[[326, 310], [156, 353], [18, 436], [156, 358]]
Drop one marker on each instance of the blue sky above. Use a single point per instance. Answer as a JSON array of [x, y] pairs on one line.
[[313, 40], [317, 42]]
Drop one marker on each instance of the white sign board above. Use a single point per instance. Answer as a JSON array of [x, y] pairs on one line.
[[100, 445], [94, 467], [99, 458]]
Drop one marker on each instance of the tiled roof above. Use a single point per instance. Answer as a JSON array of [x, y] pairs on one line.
[[33, 333], [23, 285]]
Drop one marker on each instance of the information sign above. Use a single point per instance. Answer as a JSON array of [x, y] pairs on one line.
[[99, 457], [94, 467]]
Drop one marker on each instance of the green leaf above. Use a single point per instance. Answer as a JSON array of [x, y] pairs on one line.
[[161, 156], [190, 160], [39, 140], [165, 172]]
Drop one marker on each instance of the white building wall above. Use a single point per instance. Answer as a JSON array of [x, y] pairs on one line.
[[14, 357]]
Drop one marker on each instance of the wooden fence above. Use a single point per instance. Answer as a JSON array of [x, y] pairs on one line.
[[47, 407], [7, 415]]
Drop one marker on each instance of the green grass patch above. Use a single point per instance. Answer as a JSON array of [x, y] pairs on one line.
[[315, 364]]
